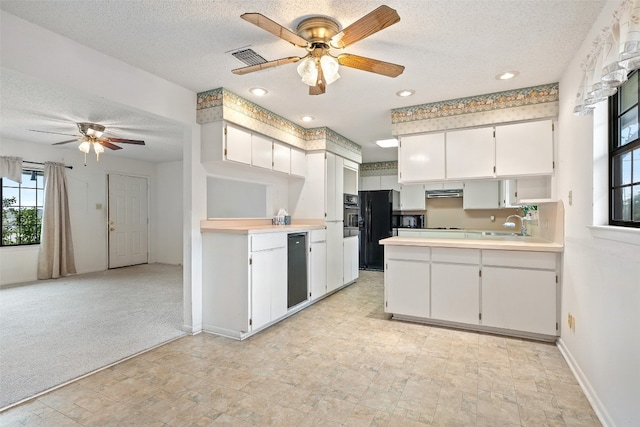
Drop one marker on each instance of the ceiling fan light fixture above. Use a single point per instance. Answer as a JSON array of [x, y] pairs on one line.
[[308, 70], [85, 146]]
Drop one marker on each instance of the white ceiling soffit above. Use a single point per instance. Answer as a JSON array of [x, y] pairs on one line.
[[450, 49]]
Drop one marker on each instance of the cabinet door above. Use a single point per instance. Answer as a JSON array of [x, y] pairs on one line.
[[508, 193], [421, 158], [455, 293], [238, 145], [261, 151], [481, 195], [406, 287], [350, 258], [281, 157], [278, 283], [261, 283], [524, 149], [389, 182], [298, 162], [470, 153], [370, 183], [519, 299], [412, 197], [318, 270], [334, 187], [334, 255]]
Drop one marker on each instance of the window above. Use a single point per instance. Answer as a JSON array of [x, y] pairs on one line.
[[624, 155], [22, 206]]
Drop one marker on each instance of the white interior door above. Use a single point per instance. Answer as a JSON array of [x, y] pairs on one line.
[[128, 220]]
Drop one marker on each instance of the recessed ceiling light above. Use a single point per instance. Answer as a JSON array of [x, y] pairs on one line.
[[507, 75], [387, 143], [258, 91], [307, 118], [405, 92]]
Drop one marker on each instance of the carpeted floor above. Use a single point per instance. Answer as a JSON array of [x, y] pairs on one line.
[[56, 330]]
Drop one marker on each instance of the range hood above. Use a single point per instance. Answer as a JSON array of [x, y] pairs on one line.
[[443, 194]]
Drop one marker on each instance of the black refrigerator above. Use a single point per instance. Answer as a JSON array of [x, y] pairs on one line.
[[376, 210]]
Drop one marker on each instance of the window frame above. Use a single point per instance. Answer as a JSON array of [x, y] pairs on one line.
[[614, 151], [39, 204]]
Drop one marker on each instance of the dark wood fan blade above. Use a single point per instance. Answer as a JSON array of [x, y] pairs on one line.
[[107, 144], [320, 86], [55, 133], [274, 28], [371, 23], [65, 142], [372, 65], [265, 65], [126, 141]]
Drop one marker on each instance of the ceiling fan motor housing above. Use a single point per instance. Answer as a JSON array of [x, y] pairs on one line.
[[89, 129], [318, 29]]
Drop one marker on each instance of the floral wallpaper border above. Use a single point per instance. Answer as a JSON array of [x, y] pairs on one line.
[[221, 97], [379, 168], [474, 104]]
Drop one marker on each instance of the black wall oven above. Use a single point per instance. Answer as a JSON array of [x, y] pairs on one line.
[[351, 215]]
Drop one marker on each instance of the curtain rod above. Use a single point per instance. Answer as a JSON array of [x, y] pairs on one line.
[[40, 163]]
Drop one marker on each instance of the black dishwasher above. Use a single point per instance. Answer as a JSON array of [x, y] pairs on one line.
[[297, 269]]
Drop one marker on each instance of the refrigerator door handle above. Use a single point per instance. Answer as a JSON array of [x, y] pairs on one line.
[[369, 225]]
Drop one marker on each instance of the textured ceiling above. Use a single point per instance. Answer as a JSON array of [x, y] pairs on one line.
[[450, 49]]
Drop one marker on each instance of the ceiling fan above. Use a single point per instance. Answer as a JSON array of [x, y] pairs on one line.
[[319, 35], [92, 135]]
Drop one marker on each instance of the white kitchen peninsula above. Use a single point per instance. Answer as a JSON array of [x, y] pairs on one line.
[[245, 273], [508, 285]]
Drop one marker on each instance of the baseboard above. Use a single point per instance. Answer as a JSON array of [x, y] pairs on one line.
[[588, 390]]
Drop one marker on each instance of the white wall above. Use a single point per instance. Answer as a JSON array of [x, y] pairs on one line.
[[601, 277], [87, 189]]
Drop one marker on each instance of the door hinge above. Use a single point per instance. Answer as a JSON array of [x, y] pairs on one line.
[[557, 278], [325, 214], [386, 303], [494, 133], [400, 143], [225, 151], [250, 261], [400, 175], [556, 326], [309, 294], [250, 322], [515, 194], [479, 273], [553, 126], [272, 164], [480, 316], [494, 169], [309, 248], [386, 266], [325, 155], [553, 165], [225, 130]]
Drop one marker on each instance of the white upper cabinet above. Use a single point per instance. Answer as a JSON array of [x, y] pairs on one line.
[[412, 197], [334, 187], [298, 162], [389, 182], [470, 153], [421, 158], [481, 195], [524, 149], [281, 157], [237, 144], [261, 151]]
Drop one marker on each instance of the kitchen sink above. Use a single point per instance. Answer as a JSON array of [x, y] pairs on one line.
[[500, 233]]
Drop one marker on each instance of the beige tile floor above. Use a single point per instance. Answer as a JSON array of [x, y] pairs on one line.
[[340, 362]]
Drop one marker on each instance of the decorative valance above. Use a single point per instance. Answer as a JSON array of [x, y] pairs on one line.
[[615, 53]]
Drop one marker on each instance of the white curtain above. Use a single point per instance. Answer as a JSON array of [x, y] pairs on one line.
[[56, 246], [11, 167]]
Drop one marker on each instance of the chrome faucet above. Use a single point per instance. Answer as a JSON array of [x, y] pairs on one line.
[[523, 228]]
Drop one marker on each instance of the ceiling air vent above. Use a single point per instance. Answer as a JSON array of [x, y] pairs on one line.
[[248, 57]]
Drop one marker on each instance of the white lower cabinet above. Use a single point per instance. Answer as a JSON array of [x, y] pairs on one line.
[[406, 278], [318, 264], [268, 285], [350, 259], [335, 233], [521, 293], [455, 285], [511, 292]]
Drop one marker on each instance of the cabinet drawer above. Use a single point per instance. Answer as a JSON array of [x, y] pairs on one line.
[[318, 235], [544, 260], [263, 242], [457, 256], [408, 253]]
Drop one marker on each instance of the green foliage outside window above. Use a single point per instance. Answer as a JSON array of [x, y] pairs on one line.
[[22, 210]]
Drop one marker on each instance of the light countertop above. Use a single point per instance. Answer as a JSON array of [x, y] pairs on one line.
[[488, 242], [254, 227]]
